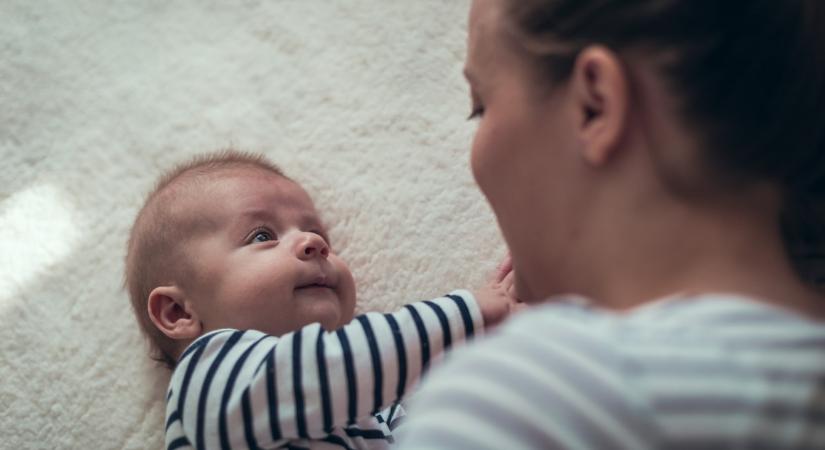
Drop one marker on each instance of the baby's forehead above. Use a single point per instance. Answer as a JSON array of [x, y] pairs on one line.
[[233, 195]]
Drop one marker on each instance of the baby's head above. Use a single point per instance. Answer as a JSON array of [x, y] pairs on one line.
[[227, 241]]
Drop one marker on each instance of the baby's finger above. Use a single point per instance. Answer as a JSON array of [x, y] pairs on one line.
[[517, 307], [509, 279], [504, 268], [509, 286]]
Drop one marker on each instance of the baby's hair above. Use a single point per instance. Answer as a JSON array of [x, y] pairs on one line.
[[154, 254]]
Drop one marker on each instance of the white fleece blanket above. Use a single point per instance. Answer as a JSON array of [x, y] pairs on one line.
[[360, 100]]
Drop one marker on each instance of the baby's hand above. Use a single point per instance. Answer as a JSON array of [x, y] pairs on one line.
[[498, 298]]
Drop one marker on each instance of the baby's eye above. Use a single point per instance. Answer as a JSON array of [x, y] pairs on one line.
[[262, 236]]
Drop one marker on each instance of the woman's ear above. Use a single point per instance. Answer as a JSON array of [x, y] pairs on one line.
[[172, 315], [600, 92]]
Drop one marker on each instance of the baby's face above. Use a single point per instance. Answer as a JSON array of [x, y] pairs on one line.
[[264, 261]]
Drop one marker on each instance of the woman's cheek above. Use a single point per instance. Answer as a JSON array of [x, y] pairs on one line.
[[481, 159], [491, 161]]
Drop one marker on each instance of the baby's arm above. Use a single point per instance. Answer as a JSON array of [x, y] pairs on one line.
[[249, 389]]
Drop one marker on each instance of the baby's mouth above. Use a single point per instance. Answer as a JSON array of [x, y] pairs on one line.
[[320, 282], [314, 286]]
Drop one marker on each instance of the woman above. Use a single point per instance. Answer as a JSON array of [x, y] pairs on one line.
[[657, 168]]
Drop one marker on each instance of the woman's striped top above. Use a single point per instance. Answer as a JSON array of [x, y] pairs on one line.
[[712, 371]]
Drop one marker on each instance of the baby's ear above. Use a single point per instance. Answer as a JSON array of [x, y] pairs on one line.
[[169, 313]]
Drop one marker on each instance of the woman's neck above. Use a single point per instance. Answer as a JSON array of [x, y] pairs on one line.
[[638, 253]]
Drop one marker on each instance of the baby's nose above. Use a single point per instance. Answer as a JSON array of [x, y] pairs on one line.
[[311, 246]]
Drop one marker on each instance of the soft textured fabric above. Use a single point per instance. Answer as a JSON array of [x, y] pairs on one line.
[[311, 388], [713, 371], [362, 101]]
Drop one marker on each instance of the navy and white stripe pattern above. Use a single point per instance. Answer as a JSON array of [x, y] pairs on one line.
[[712, 371], [236, 389]]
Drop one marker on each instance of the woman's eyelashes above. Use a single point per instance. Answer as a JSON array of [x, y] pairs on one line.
[[477, 109]]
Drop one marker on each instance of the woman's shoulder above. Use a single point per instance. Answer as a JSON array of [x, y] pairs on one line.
[[674, 351], [549, 375], [624, 379], [627, 359], [707, 315]]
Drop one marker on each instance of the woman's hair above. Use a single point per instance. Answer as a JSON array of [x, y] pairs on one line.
[[749, 77]]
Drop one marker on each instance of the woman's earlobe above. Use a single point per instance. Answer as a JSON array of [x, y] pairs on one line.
[[601, 94], [171, 314]]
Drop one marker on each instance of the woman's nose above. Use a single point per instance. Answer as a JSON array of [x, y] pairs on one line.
[[311, 246]]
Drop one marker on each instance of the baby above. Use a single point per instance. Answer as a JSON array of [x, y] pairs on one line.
[[233, 280]]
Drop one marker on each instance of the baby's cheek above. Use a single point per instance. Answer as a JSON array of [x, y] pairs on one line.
[[347, 295], [261, 307]]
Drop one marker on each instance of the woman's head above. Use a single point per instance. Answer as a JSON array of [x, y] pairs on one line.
[[708, 98]]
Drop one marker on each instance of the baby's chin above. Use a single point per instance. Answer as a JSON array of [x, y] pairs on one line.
[[324, 306], [333, 320]]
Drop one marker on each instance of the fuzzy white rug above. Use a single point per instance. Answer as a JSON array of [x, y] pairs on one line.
[[361, 100]]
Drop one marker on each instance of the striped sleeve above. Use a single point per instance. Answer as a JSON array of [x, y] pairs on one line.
[[244, 389]]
